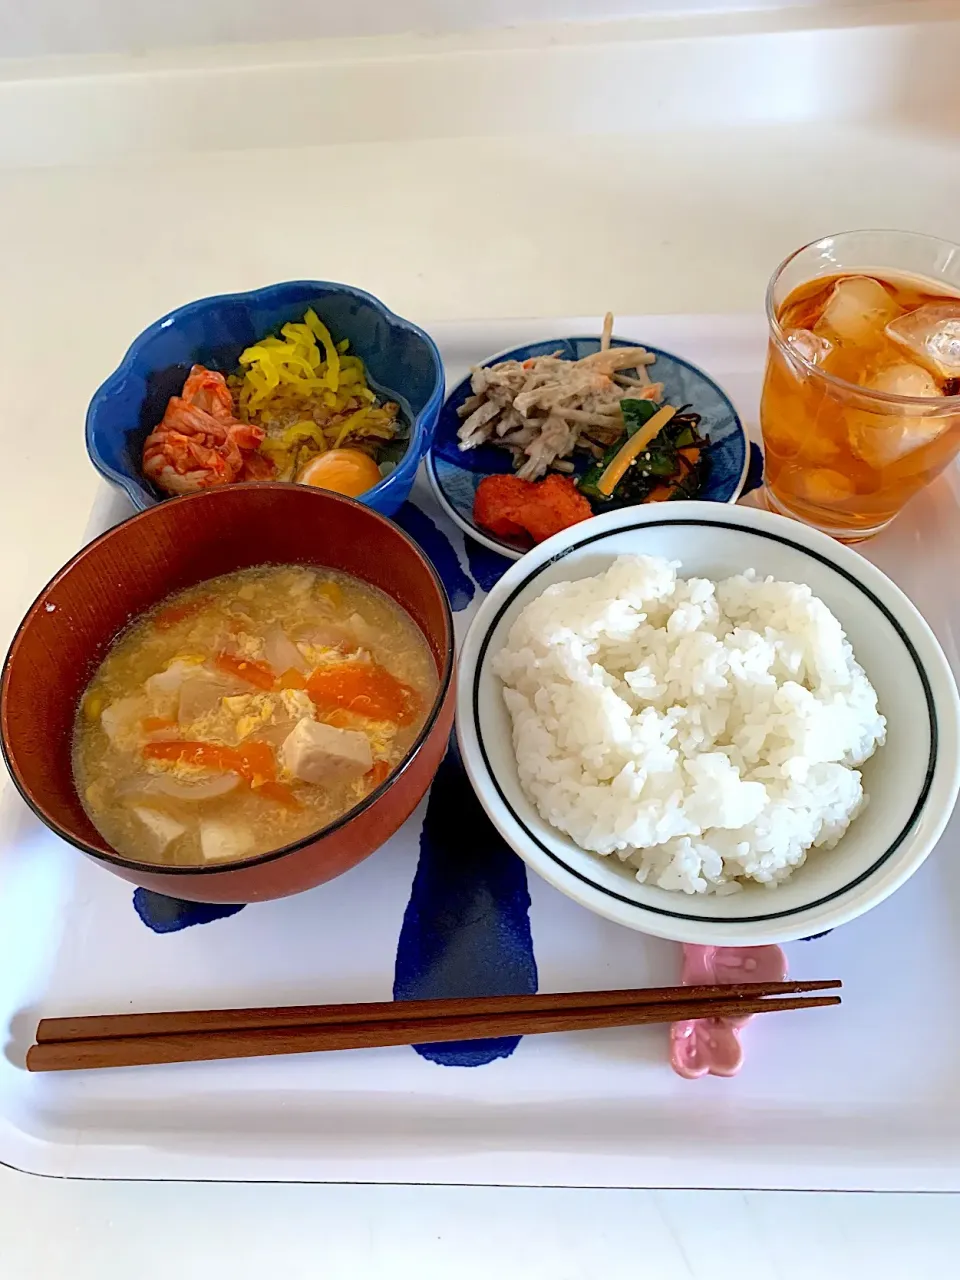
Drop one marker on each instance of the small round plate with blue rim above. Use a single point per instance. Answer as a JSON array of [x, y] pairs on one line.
[[454, 475]]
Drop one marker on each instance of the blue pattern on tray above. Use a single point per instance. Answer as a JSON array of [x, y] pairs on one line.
[[754, 469], [466, 929], [170, 915], [439, 551], [487, 566], [456, 475]]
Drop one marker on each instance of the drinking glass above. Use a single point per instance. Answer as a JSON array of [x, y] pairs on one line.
[[839, 455]]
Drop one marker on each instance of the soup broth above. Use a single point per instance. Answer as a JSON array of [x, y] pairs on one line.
[[248, 712]]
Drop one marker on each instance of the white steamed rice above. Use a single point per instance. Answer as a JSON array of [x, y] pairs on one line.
[[705, 733]]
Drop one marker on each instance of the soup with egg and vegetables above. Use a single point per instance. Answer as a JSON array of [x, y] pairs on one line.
[[248, 712]]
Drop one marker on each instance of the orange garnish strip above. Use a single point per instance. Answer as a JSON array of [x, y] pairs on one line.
[[253, 761], [150, 724], [365, 689], [379, 773], [292, 679], [280, 792], [175, 613], [256, 673]]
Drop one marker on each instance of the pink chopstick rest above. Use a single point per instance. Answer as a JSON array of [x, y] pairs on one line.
[[703, 1046]]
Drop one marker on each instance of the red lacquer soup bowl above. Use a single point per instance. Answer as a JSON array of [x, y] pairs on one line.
[[175, 545]]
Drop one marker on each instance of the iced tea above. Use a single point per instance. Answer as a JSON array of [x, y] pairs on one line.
[[861, 400]]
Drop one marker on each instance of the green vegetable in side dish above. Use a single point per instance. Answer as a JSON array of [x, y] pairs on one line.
[[636, 413], [672, 465]]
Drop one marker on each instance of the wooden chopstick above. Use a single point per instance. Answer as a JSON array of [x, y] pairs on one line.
[[143, 1050], [101, 1026]]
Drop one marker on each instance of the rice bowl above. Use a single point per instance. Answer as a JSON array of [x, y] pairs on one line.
[[704, 733], [912, 780]]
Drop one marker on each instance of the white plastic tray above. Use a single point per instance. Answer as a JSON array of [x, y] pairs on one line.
[[863, 1098]]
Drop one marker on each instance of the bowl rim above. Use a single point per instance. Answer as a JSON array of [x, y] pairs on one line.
[[445, 679], [137, 489], [884, 874], [513, 553]]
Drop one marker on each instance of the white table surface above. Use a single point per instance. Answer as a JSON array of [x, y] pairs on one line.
[[688, 219], [109, 1231]]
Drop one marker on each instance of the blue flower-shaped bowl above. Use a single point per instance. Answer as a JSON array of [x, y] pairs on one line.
[[401, 360], [455, 475]]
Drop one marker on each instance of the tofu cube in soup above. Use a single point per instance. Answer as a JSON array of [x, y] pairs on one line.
[[222, 842], [320, 753], [222, 724], [159, 828]]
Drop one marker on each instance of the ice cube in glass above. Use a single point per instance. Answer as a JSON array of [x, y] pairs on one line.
[[857, 311], [932, 335]]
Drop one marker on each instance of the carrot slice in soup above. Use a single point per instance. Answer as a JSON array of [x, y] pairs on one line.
[[292, 679], [205, 755], [257, 764], [150, 724], [175, 613], [254, 761], [279, 792], [379, 773], [365, 688], [248, 669], [339, 719]]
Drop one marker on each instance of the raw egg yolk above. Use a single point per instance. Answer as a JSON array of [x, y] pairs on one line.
[[348, 471]]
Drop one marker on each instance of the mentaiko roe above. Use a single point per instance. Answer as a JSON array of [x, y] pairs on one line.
[[510, 507]]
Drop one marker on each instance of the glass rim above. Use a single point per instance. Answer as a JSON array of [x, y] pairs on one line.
[[935, 407]]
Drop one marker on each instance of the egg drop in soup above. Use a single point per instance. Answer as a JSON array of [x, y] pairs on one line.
[[247, 713]]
